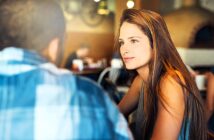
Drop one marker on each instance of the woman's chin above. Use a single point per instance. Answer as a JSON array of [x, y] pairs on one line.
[[130, 68]]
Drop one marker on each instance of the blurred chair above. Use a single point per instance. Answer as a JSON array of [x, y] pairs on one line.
[[113, 71], [113, 74], [107, 79], [115, 80]]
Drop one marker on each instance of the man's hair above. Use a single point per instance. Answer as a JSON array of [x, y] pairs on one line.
[[30, 24]]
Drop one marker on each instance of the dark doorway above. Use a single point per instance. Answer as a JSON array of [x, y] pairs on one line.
[[204, 38]]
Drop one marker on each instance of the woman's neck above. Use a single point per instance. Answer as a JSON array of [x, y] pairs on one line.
[[143, 73]]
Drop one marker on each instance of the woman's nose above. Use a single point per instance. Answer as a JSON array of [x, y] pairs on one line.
[[125, 51], [125, 48]]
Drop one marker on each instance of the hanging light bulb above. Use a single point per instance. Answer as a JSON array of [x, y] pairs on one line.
[[96, 0], [103, 8], [130, 4]]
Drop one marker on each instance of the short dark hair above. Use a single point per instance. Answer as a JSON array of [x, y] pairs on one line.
[[30, 24]]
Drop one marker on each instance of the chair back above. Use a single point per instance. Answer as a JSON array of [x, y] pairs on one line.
[[113, 74]]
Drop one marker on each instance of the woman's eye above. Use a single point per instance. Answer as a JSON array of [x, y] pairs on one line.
[[134, 41], [121, 43]]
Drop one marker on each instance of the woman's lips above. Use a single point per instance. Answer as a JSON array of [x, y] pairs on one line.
[[127, 59]]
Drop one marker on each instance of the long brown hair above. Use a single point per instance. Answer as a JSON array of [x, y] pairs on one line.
[[165, 60]]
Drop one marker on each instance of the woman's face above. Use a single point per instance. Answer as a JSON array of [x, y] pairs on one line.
[[135, 47]]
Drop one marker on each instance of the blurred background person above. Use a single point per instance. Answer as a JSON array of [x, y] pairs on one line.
[[205, 84], [209, 103], [81, 53]]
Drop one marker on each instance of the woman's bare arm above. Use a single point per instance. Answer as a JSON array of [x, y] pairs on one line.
[[130, 100], [170, 111]]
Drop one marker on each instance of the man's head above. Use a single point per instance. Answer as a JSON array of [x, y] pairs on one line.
[[31, 24], [83, 51]]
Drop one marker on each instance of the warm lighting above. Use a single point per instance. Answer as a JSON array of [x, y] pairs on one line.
[[103, 8], [130, 4]]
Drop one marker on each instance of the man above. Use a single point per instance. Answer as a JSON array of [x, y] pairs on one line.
[[38, 100], [81, 53]]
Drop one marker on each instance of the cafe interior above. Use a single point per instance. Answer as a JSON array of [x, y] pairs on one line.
[[93, 24], [92, 27]]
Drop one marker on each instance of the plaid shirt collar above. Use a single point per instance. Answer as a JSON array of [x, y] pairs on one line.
[[15, 60], [13, 55]]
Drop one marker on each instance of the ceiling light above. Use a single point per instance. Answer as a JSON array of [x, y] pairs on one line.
[[103, 8], [96, 0], [130, 4]]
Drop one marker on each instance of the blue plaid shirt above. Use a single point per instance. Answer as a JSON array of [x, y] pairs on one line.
[[40, 101]]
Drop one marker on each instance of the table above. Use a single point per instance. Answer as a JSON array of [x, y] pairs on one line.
[[90, 73]]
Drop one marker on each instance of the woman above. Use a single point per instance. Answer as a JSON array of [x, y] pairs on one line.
[[168, 102]]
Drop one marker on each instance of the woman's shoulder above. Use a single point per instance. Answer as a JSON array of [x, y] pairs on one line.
[[171, 87], [173, 76], [171, 95]]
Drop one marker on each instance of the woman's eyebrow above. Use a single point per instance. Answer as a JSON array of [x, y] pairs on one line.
[[134, 37], [120, 39]]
